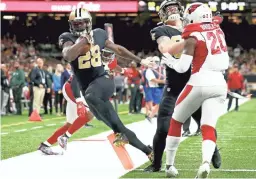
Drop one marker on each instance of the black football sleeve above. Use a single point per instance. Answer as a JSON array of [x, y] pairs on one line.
[[157, 32], [63, 38]]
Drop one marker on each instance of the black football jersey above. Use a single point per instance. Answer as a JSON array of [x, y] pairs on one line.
[[89, 66], [176, 81]]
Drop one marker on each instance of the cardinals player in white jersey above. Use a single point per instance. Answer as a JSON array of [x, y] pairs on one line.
[[205, 48], [77, 115]]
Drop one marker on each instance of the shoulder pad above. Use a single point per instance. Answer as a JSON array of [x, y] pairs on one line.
[[163, 30], [158, 32], [65, 37], [100, 32]]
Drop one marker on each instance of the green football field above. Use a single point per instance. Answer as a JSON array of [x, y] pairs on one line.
[[236, 138], [19, 136]]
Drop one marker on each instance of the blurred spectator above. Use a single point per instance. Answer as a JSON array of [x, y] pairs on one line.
[[57, 89], [119, 83], [4, 90], [134, 77], [124, 94], [33, 65], [64, 77], [65, 74], [48, 92], [38, 79], [17, 83], [148, 102], [155, 80], [235, 84]]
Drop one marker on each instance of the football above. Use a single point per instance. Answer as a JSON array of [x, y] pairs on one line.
[[86, 47]]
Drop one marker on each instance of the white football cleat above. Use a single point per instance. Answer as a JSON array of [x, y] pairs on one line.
[[203, 171], [63, 141], [171, 172]]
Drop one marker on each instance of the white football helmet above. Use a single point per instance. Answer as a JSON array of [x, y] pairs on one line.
[[170, 10], [80, 21], [197, 13]]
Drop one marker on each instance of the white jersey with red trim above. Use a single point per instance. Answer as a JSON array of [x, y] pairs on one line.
[[71, 108], [210, 57]]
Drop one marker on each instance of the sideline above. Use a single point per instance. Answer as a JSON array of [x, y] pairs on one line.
[[30, 122]]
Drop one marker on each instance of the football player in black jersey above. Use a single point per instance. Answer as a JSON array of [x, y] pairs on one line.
[[170, 14], [82, 48]]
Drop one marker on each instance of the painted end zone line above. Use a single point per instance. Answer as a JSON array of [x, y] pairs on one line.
[[91, 140]]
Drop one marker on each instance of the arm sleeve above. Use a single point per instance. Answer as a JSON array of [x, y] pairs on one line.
[[150, 75], [33, 77], [75, 87], [182, 65]]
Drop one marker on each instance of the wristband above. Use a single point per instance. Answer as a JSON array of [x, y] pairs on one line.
[[79, 99]]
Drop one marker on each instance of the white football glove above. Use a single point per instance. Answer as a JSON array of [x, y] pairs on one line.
[[88, 37]]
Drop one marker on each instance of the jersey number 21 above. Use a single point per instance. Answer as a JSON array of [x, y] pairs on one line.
[[91, 59]]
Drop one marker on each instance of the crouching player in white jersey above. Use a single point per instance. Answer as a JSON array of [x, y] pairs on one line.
[[77, 115], [205, 48]]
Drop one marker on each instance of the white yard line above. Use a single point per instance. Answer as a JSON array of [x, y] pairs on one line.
[[4, 133], [37, 127], [235, 136], [21, 130], [50, 124], [33, 128]]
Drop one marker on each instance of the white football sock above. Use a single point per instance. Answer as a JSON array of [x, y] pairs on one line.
[[208, 147], [68, 134], [47, 144], [172, 144]]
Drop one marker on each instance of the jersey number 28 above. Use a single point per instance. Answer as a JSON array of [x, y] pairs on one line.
[[217, 44], [91, 59]]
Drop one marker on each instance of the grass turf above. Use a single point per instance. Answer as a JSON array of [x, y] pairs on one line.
[[237, 140], [16, 143]]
